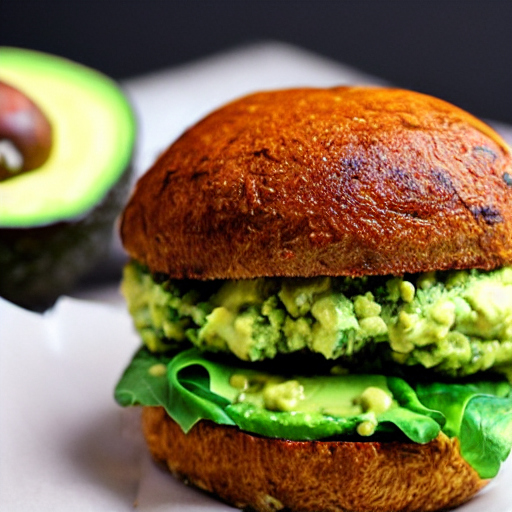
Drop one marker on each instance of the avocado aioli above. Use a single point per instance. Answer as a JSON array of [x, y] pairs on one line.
[[456, 322], [365, 397]]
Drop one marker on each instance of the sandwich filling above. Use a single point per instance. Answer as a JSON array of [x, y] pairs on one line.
[[456, 323], [214, 350]]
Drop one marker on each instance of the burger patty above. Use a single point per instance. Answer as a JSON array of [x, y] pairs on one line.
[[457, 323]]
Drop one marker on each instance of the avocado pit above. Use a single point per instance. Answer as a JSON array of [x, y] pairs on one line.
[[25, 133]]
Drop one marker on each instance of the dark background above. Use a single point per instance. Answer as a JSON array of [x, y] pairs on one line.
[[460, 50]]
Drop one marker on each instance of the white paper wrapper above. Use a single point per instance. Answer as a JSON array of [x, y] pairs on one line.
[[65, 445]]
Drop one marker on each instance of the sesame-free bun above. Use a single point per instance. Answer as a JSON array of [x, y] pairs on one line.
[[341, 181], [263, 474]]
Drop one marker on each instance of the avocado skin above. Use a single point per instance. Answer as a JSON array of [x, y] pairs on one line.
[[39, 264]]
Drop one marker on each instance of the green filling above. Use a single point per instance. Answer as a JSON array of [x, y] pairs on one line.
[[457, 323], [192, 387]]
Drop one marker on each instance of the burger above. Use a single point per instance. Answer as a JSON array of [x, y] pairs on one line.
[[322, 282]]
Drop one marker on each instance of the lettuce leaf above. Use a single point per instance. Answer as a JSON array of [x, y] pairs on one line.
[[142, 383], [192, 387], [480, 415], [151, 380], [486, 433]]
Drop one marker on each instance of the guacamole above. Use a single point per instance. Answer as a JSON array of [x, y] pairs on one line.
[[457, 322]]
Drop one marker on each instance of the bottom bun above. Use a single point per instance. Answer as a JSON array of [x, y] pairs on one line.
[[263, 474]]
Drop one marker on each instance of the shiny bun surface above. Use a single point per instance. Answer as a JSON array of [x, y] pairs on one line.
[[341, 181]]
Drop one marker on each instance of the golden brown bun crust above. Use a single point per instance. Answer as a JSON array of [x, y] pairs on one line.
[[342, 181], [273, 474]]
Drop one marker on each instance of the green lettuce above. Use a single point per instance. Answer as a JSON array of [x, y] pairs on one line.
[[479, 415], [150, 380], [192, 387]]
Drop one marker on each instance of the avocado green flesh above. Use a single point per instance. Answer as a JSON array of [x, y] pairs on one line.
[[457, 323], [93, 135]]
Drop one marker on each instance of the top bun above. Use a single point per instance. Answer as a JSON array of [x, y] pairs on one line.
[[342, 181]]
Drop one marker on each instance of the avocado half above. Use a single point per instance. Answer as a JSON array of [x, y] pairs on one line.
[[56, 221]]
